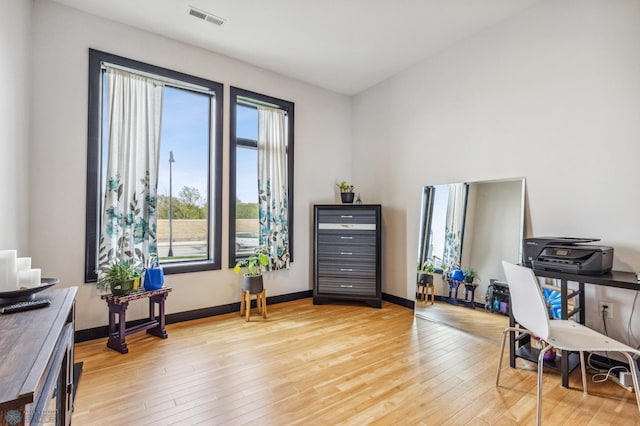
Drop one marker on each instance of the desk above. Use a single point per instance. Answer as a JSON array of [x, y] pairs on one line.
[[518, 345], [118, 305]]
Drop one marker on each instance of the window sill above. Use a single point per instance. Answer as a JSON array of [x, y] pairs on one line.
[[184, 267]]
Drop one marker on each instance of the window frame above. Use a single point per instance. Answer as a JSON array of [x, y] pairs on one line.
[[94, 162], [234, 142]]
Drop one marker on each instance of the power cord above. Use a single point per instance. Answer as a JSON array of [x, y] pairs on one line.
[[629, 332], [604, 323], [603, 375]]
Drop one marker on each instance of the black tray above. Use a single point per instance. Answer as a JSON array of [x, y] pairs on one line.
[[27, 293]]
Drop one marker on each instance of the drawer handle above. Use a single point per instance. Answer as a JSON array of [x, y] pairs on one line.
[[345, 253], [346, 238], [347, 216], [346, 270], [346, 286], [346, 226]]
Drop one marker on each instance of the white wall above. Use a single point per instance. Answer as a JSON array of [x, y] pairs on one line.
[[61, 39], [553, 95], [15, 30]]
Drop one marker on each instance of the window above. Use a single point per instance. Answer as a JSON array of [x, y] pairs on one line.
[[244, 228], [187, 204], [443, 216], [438, 225]]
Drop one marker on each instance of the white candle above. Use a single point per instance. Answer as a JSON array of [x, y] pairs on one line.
[[29, 278], [23, 263], [8, 274]]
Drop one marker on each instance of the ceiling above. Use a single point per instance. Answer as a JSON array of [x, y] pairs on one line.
[[342, 45]]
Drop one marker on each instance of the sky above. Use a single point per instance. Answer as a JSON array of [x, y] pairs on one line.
[[184, 131], [185, 127], [438, 220]]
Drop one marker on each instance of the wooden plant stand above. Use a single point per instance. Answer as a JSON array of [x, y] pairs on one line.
[[261, 302]]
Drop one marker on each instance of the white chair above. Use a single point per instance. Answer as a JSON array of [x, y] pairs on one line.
[[530, 311]]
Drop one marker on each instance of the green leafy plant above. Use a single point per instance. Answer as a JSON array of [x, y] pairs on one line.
[[345, 187], [427, 267], [254, 265], [469, 274], [117, 272]]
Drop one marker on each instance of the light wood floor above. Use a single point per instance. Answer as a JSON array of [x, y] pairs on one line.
[[479, 322], [326, 365]]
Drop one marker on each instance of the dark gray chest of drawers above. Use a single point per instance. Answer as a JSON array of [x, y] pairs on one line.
[[346, 253]]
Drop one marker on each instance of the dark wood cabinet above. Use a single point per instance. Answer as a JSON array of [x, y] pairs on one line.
[[346, 253], [36, 372]]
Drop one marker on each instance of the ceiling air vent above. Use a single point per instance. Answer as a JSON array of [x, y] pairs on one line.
[[206, 16]]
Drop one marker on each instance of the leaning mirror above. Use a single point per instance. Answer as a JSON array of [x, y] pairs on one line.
[[470, 226]]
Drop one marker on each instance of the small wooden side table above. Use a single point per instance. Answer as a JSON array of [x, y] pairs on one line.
[[118, 306]]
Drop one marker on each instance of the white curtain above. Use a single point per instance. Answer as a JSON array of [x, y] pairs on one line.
[[273, 196], [128, 230], [454, 225]]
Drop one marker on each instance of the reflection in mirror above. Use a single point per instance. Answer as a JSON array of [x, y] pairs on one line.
[[471, 225], [443, 210]]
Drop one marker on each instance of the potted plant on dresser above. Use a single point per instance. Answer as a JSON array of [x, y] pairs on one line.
[[346, 192]]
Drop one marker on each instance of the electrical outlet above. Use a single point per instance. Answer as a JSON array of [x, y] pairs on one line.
[[608, 305]]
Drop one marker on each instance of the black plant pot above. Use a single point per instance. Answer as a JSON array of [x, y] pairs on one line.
[[425, 279], [347, 197], [253, 284]]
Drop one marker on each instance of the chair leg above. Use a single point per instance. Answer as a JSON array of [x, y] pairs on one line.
[[634, 375], [504, 339], [583, 370], [540, 368]]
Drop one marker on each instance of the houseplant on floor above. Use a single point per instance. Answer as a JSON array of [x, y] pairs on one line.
[[119, 277], [346, 192], [252, 268], [425, 274]]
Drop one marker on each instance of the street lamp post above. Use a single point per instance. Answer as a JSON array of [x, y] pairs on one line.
[[171, 161]]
